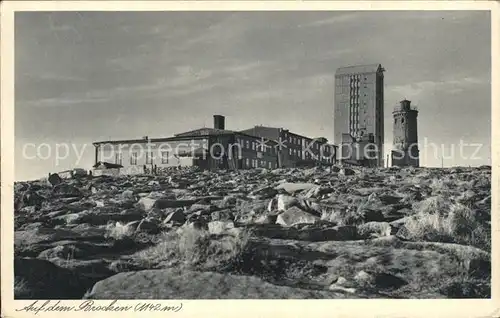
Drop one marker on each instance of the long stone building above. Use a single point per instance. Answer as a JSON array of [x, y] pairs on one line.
[[213, 148]]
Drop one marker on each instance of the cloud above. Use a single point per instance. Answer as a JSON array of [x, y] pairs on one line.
[[61, 101], [340, 18], [53, 77], [454, 85]]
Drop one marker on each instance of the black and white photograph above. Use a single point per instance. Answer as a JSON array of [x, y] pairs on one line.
[[246, 154]]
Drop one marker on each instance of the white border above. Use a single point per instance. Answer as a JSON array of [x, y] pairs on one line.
[[252, 308]]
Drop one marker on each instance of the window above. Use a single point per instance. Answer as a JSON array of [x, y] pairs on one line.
[[248, 144], [118, 158], [402, 120], [164, 157], [133, 158], [290, 151], [247, 162], [149, 157]]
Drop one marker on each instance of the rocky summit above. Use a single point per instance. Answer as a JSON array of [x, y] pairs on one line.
[[286, 233]]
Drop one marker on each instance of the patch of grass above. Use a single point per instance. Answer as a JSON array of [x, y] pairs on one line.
[[439, 220], [359, 211], [465, 287], [194, 248], [21, 289], [349, 216]]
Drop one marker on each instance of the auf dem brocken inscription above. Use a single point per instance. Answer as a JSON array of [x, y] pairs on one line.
[[91, 306]]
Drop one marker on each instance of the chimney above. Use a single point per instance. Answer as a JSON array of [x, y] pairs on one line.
[[219, 122]]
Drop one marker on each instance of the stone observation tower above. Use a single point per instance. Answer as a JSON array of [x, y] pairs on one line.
[[405, 145]]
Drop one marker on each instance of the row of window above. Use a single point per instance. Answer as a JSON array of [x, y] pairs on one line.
[[256, 163], [302, 141], [149, 158], [256, 146], [295, 140], [307, 154]]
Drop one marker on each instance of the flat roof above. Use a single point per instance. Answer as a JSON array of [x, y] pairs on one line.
[[354, 69], [181, 136], [289, 132]]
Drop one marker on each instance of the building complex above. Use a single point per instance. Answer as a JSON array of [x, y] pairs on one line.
[[214, 148], [358, 132]]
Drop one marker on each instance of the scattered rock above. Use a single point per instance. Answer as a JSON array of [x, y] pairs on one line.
[[478, 268], [177, 216], [208, 208], [266, 219], [219, 227], [363, 278], [54, 179], [347, 172], [263, 193], [294, 216], [222, 215], [386, 281], [341, 281], [129, 195], [148, 226], [31, 198], [295, 187], [284, 202], [336, 288], [65, 190]]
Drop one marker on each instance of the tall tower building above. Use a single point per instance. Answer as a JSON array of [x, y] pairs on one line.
[[405, 144], [359, 106]]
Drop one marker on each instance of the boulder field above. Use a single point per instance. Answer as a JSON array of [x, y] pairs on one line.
[[322, 232]]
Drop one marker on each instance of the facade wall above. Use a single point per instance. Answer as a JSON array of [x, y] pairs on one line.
[[293, 150], [405, 136], [358, 107], [251, 153], [135, 156], [220, 151], [341, 107]]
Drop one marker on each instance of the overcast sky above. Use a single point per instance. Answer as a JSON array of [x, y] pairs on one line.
[[88, 76]]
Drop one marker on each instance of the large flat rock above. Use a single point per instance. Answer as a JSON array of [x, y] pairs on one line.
[[183, 284]]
